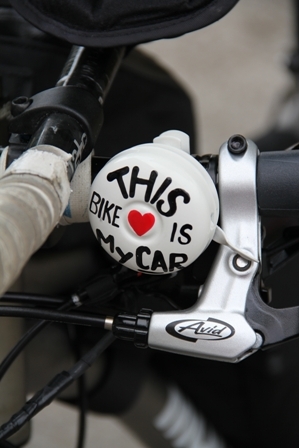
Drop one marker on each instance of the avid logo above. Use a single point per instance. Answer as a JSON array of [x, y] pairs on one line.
[[192, 330]]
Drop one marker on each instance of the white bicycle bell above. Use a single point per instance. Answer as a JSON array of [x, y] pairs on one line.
[[153, 207]]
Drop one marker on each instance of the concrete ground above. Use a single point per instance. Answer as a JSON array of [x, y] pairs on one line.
[[234, 71]]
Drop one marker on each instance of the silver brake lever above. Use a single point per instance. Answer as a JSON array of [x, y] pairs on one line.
[[215, 327]]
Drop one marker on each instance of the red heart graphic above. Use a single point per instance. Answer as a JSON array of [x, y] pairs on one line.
[[141, 224]]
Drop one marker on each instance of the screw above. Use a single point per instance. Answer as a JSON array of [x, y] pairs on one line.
[[240, 264], [18, 105], [237, 144]]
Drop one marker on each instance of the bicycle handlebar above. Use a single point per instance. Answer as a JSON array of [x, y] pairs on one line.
[[278, 183], [35, 189], [34, 192]]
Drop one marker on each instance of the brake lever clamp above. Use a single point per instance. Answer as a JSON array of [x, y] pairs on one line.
[[216, 326]]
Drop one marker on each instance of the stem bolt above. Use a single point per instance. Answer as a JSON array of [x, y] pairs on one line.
[[18, 105]]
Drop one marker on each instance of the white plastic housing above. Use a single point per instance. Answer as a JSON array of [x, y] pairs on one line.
[[153, 207]]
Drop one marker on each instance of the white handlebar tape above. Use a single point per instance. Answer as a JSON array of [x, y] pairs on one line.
[[34, 192], [153, 207], [77, 208]]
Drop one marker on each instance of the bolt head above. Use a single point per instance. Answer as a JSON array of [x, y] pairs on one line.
[[240, 264], [18, 105], [237, 144]]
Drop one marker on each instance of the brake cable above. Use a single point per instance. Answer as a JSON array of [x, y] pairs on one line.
[[60, 382], [26, 338]]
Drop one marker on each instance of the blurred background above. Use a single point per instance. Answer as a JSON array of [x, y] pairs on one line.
[[235, 72], [235, 69]]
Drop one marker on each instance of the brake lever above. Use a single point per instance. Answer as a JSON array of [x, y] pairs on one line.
[[275, 325], [220, 325]]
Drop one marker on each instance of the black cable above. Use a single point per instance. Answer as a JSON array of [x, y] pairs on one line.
[[42, 300], [26, 338], [83, 409], [60, 382], [22, 343], [32, 299], [74, 339], [53, 316]]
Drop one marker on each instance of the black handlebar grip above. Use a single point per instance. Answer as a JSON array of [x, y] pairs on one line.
[[278, 183]]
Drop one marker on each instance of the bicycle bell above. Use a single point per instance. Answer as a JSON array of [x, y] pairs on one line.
[[153, 207]]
